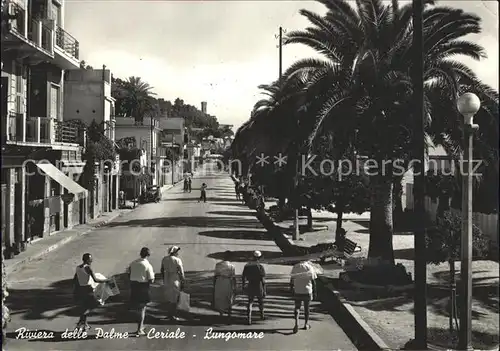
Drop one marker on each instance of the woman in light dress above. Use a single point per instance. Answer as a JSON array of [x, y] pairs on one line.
[[173, 280], [224, 285]]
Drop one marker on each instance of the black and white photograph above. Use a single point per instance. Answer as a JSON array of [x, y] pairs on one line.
[[250, 175]]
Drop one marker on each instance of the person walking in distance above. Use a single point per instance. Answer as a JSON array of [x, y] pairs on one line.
[[255, 274], [203, 195], [303, 286], [172, 271], [237, 190], [141, 275], [189, 183], [85, 282]]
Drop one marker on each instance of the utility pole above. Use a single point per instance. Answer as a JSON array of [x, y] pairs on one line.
[[296, 233], [173, 159], [280, 47], [152, 147], [420, 296]]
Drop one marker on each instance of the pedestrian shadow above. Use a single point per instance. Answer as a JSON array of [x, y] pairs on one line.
[[237, 234]]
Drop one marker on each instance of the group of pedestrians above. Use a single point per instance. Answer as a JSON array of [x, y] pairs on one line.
[[141, 275], [253, 281], [187, 183]]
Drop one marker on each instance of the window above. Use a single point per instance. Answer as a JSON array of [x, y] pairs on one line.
[[56, 13], [54, 101]]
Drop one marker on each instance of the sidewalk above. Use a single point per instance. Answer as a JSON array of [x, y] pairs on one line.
[[45, 245]]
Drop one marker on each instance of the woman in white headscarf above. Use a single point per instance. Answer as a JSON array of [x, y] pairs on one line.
[[224, 285], [173, 280]]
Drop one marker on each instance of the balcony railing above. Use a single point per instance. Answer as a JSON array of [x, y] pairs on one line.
[[15, 127], [66, 132], [66, 42]]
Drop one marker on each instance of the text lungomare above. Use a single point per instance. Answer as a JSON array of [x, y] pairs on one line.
[[210, 334]]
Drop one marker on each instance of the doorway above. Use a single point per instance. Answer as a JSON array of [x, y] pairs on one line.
[[65, 211]]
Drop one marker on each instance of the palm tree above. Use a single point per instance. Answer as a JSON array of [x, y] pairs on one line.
[[135, 98], [365, 86]]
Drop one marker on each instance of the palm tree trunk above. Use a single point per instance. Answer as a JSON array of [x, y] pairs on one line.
[[381, 229]]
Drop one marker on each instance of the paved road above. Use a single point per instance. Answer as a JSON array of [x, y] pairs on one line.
[[41, 292]]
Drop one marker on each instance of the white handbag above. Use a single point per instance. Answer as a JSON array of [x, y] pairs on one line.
[[184, 302]]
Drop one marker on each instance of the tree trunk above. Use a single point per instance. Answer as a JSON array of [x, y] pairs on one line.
[[309, 219], [277, 235], [443, 205], [381, 227], [398, 193], [340, 214], [453, 287]]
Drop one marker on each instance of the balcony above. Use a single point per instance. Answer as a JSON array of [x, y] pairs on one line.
[[67, 50], [27, 38], [42, 130]]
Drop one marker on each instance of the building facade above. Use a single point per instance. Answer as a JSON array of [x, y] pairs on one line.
[[173, 138], [41, 153], [147, 136], [87, 98]]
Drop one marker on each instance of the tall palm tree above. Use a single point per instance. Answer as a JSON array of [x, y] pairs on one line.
[[366, 86], [136, 98]]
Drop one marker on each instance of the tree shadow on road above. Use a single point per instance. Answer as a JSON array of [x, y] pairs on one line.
[[247, 256], [234, 213], [236, 203], [237, 234], [196, 222], [195, 196]]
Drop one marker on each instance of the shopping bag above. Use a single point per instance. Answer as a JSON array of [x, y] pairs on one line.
[[101, 293], [183, 304], [113, 287]]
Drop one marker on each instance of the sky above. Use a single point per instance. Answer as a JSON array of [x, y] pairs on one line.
[[216, 51]]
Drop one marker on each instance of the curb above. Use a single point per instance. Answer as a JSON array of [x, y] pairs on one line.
[[350, 321], [13, 267]]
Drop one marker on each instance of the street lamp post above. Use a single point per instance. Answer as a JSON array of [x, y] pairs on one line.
[[173, 158], [468, 104]]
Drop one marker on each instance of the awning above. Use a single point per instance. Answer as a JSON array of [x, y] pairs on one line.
[[69, 184]]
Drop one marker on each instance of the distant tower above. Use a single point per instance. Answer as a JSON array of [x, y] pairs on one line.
[[204, 106]]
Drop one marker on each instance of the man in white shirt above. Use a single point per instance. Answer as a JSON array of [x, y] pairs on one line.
[[303, 286], [141, 275]]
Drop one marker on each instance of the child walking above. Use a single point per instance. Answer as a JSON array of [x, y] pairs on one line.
[[203, 196]]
